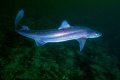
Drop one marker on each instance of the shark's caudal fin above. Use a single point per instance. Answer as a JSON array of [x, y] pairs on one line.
[[18, 17]]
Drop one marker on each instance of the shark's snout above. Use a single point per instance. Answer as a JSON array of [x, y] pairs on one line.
[[94, 34], [98, 34]]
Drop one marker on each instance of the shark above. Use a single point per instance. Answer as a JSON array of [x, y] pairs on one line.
[[65, 32]]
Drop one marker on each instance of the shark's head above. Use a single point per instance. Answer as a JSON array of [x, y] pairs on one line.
[[94, 34]]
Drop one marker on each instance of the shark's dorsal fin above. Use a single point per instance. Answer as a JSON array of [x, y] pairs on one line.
[[64, 25]]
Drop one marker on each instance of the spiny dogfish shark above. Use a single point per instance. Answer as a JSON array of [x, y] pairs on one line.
[[64, 33]]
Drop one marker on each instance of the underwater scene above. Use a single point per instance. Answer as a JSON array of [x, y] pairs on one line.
[[60, 40]]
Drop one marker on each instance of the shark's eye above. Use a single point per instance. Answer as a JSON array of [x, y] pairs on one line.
[[96, 34]]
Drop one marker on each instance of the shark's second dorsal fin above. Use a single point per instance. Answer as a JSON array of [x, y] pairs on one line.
[[25, 28], [64, 25]]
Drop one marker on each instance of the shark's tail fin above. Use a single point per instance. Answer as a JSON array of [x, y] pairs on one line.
[[18, 17]]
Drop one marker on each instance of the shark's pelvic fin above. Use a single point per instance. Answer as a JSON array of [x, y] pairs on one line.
[[81, 42], [39, 42], [64, 25]]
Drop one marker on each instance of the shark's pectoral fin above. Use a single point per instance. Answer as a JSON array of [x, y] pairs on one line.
[[39, 42], [81, 42]]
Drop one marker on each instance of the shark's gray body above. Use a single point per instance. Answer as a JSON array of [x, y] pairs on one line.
[[64, 33]]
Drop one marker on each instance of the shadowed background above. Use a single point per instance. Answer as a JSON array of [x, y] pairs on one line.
[[22, 59]]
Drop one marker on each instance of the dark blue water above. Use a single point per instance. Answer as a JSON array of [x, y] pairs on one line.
[[22, 59]]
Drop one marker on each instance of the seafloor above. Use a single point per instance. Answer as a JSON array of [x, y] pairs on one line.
[[20, 58]]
